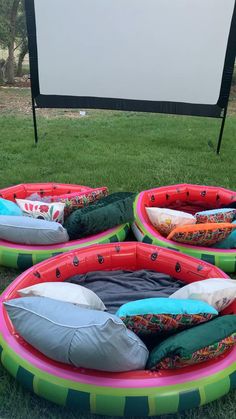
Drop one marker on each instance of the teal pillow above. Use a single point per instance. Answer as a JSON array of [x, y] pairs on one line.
[[195, 345], [108, 212], [158, 315], [9, 208], [229, 242]]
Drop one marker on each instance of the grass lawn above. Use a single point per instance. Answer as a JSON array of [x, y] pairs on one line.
[[124, 151]]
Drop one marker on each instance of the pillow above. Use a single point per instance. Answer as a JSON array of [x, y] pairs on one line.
[[64, 291], [9, 208], [223, 215], [229, 242], [165, 220], [43, 211], [18, 229], [198, 344], [37, 197], [157, 315], [108, 212], [201, 234], [76, 200], [217, 292], [74, 335]]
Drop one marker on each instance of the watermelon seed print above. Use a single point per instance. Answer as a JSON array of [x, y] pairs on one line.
[[200, 268], [154, 256], [178, 267], [37, 274], [203, 193], [58, 273], [100, 259], [117, 248], [76, 261]]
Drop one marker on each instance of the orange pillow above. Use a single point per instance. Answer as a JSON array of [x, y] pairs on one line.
[[201, 234]]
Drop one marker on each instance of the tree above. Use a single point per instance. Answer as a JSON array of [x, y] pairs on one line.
[[21, 38], [13, 31]]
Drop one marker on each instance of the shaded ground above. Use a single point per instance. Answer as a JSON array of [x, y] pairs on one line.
[[17, 100]]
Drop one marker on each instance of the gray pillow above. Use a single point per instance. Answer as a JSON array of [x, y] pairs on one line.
[[74, 335], [26, 230]]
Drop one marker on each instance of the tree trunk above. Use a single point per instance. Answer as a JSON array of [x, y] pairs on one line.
[[2, 63], [10, 67], [21, 57]]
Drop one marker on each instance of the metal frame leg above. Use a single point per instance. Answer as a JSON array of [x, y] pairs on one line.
[[34, 121], [221, 131]]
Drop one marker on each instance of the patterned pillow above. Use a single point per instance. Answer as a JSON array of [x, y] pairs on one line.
[[158, 315], [197, 344], [201, 234], [77, 200], [224, 215], [202, 355], [165, 219], [42, 210]]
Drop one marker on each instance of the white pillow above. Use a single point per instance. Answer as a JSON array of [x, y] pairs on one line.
[[43, 210], [65, 291], [218, 292], [165, 220]]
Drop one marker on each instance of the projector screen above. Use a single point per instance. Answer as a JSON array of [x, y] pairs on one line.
[[172, 56]]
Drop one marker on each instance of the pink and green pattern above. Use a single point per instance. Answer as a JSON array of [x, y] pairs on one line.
[[147, 324], [14, 255], [75, 201], [219, 217], [202, 355]]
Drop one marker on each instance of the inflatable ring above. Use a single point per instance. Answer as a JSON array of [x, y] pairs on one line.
[[19, 256], [184, 197], [136, 393]]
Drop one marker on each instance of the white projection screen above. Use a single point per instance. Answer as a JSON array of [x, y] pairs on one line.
[[170, 56]]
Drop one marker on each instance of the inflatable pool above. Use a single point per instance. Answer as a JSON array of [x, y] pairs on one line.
[[139, 393], [188, 198], [19, 256]]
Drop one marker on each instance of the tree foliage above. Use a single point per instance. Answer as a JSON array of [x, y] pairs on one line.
[[13, 35]]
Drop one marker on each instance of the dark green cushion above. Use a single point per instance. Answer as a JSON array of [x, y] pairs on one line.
[[185, 343], [108, 212]]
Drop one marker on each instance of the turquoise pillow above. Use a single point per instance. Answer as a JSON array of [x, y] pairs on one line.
[[158, 315], [9, 208], [229, 242]]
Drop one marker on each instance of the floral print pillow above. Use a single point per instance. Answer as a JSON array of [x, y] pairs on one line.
[[151, 324], [201, 234], [205, 354], [42, 210], [224, 215], [77, 200]]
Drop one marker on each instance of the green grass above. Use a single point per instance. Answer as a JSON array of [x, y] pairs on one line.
[[125, 151]]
